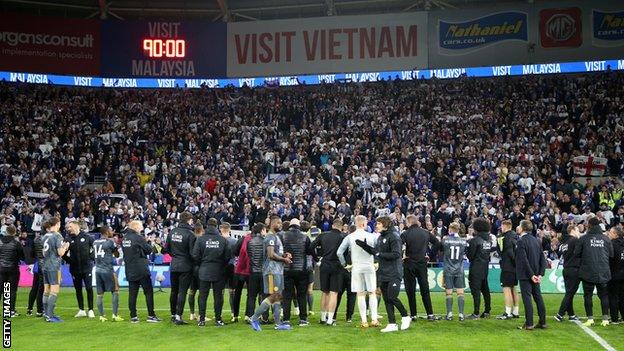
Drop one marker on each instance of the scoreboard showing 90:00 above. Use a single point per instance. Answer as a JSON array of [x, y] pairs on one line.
[[163, 49]]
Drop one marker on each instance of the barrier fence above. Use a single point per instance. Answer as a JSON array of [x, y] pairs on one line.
[[552, 282]]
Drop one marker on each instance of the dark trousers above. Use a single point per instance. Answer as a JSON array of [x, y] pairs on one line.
[[530, 291], [254, 292], [217, 289], [572, 282], [12, 277], [36, 293], [588, 294], [148, 291], [480, 286], [351, 297], [616, 300], [180, 282], [296, 283], [411, 273], [390, 293], [238, 284], [86, 279]]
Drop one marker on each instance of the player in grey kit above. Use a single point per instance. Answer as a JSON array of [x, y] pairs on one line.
[[53, 249], [105, 279], [454, 248], [272, 276]]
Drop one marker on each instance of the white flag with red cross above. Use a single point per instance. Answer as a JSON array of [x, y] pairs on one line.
[[590, 166]]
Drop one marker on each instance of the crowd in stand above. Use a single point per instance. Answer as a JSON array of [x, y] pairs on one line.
[[443, 150]]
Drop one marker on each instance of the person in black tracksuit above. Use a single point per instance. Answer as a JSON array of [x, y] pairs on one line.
[[331, 271], [530, 268], [390, 273], [36, 291], [80, 257], [571, 279], [180, 244], [478, 252], [507, 251], [135, 252], [417, 241], [595, 250], [255, 253], [616, 285], [346, 286], [212, 253], [11, 253], [296, 274]]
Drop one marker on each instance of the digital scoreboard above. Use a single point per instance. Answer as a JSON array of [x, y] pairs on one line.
[[163, 49]]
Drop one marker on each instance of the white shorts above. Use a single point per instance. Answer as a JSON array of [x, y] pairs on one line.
[[363, 282]]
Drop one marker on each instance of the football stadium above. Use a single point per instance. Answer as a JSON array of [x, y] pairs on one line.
[[312, 174]]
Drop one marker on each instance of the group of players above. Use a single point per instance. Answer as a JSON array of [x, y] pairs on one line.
[[276, 262]]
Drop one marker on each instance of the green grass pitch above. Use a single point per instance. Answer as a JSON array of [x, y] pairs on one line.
[[31, 333]]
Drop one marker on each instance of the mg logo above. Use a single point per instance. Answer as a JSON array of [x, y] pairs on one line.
[[560, 27]]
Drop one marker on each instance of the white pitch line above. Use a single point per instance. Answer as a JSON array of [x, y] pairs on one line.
[[596, 337]]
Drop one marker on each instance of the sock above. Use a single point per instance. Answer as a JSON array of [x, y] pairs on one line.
[[45, 303], [449, 304], [277, 309], [361, 301], [460, 304], [264, 306], [330, 317], [508, 310], [51, 305], [115, 303], [100, 304], [373, 307], [310, 302], [516, 310], [232, 301], [191, 302], [323, 316]]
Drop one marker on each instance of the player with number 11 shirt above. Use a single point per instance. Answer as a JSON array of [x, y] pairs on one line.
[[454, 247]]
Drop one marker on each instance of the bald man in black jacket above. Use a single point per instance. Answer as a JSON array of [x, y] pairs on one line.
[[530, 268]]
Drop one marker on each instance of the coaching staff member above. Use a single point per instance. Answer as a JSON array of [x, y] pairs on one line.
[[296, 274], [135, 251], [212, 253], [180, 244], [80, 258], [416, 241], [479, 249], [11, 252], [530, 268], [570, 272], [595, 250]]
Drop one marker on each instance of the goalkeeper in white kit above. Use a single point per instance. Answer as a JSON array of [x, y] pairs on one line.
[[363, 276]]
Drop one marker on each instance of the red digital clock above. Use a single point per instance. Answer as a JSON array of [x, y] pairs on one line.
[[170, 48]]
